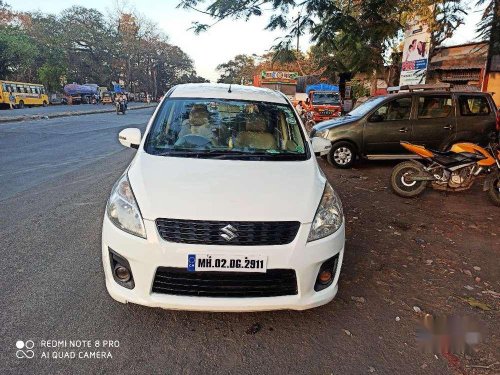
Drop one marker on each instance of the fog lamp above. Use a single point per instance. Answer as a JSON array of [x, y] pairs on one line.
[[325, 276], [122, 273]]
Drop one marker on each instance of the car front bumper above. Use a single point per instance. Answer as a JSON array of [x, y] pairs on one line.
[[146, 255]]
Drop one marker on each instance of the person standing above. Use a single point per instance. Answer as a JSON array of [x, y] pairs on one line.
[[12, 99], [299, 108]]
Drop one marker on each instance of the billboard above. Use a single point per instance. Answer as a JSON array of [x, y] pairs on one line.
[[278, 76], [417, 40]]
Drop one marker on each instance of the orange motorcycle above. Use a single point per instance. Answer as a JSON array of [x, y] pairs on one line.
[[453, 170]]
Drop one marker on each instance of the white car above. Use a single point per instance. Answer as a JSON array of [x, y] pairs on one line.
[[223, 208]]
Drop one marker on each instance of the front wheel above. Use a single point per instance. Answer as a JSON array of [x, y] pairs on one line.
[[402, 185], [342, 155], [494, 190], [21, 104], [44, 104]]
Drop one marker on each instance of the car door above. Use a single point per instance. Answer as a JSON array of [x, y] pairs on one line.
[[387, 126], [434, 125]]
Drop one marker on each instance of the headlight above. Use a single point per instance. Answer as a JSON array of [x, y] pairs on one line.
[[122, 209], [322, 133], [329, 216]]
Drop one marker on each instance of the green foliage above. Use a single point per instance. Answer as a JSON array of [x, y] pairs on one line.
[[488, 28], [351, 36], [17, 52], [51, 76], [238, 70], [82, 45]]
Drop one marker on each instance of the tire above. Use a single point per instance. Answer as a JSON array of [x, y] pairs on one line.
[[44, 104], [404, 188], [21, 104], [342, 155], [494, 190]]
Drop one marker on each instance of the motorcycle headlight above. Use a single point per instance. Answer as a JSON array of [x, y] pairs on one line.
[[122, 209], [329, 216]]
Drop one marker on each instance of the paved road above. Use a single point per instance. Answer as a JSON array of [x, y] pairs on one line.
[[55, 177], [42, 111]]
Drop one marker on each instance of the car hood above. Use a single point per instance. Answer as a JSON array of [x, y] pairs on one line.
[[236, 190], [344, 120]]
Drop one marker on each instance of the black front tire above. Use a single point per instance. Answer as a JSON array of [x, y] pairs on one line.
[[494, 190], [342, 155], [21, 104], [401, 186]]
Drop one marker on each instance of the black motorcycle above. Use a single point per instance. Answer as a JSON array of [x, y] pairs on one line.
[[121, 107]]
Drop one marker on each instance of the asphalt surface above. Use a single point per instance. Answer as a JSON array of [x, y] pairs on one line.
[[55, 177], [51, 109]]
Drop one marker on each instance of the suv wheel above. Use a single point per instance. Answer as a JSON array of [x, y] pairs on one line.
[[342, 155]]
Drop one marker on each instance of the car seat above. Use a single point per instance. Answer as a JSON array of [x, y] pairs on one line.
[[256, 135]]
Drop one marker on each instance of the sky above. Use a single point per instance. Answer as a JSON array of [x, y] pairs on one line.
[[220, 43]]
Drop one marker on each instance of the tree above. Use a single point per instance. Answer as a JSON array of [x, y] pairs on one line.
[[352, 35], [82, 45], [17, 53], [488, 28], [240, 70]]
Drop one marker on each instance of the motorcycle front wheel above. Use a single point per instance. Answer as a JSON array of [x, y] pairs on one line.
[[494, 190], [402, 185]]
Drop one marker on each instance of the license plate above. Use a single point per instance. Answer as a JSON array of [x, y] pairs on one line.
[[228, 263]]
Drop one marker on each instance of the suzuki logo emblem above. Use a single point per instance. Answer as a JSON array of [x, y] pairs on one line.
[[229, 233]]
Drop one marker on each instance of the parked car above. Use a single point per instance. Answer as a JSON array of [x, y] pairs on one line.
[[223, 207], [434, 119]]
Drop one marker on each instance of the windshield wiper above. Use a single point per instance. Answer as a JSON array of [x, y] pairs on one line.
[[226, 154], [258, 155]]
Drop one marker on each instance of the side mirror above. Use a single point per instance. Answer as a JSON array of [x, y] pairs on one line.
[[376, 118], [321, 146], [130, 137]]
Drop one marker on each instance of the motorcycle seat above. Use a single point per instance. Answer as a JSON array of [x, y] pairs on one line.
[[450, 159]]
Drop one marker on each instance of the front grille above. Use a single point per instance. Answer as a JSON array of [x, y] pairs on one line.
[[248, 233], [179, 281]]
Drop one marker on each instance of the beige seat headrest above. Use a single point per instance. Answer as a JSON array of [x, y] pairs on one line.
[[256, 123]]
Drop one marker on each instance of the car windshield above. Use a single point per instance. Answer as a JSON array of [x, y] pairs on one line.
[[232, 129], [367, 106], [326, 98]]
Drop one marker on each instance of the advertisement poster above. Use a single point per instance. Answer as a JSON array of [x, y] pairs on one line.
[[415, 54]]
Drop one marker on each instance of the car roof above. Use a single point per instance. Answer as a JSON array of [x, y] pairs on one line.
[[436, 92], [221, 91]]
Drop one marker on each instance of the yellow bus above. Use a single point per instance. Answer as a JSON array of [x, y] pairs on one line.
[[25, 94]]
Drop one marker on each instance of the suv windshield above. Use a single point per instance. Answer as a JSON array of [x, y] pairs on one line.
[[226, 129], [332, 98], [367, 106]]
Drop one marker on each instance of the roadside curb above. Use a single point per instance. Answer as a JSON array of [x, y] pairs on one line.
[[66, 114]]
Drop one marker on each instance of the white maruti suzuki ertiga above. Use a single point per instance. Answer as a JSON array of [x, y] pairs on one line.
[[223, 208]]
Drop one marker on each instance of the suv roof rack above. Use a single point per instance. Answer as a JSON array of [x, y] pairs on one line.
[[411, 88]]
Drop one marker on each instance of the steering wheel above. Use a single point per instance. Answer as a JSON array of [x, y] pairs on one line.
[[193, 141]]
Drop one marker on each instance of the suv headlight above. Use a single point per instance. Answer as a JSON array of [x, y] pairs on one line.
[[122, 208], [329, 216], [322, 133]]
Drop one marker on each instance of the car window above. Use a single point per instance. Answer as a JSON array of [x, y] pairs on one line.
[[438, 106], [398, 109], [473, 105], [211, 126]]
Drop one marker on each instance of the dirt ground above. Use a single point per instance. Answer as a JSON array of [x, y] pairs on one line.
[[438, 254]]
